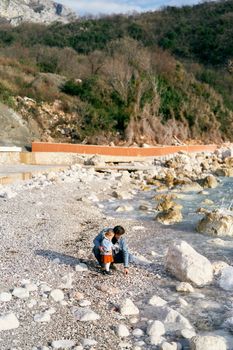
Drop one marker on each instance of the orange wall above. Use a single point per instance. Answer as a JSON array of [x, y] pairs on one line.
[[117, 151]]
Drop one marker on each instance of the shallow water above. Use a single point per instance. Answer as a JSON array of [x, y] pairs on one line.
[[222, 196]]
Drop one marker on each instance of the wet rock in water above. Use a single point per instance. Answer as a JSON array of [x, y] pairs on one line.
[[155, 330], [169, 217], [190, 187], [183, 262], [167, 204], [143, 207], [127, 308], [122, 331], [168, 346], [184, 287], [218, 266], [138, 333], [8, 321], [84, 314], [165, 196], [208, 343], [173, 321], [208, 201], [216, 223], [157, 301], [121, 195], [226, 278], [63, 344], [210, 182], [123, 208], [187, 333]]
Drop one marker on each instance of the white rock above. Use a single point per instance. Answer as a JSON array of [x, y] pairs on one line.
[[187, 333], [187, 265], [63, 344], [123, 208], [155, 329], [7, 194], [157, 301], [57, 295], [182, 302], [122, 331], [184, 287], [31, 287], [84, 314], [127, 308], [138, 333], [51, 311], [8, 321], [44, 288], [79, 347], [43, 317], [87, 342], [208, 343], [21, 293], [133, 320], [226, 278], [81, 267], [4, 297], [84, 303], [168, 346], [31, 303], [67, 281], [218, 266], [172, 319]]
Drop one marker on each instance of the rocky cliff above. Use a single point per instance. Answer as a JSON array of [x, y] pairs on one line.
[[38, 11]]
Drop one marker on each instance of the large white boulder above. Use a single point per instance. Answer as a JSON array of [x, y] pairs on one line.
[[187, 265], [208, 343]]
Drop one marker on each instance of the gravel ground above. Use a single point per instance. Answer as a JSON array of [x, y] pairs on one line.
[[48, 228]]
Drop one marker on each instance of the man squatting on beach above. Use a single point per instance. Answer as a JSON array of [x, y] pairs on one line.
[[119, 248]]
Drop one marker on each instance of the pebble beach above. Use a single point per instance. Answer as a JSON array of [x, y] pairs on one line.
[[52, 293]]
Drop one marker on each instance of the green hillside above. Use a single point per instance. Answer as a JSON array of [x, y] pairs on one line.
[[143, 78]]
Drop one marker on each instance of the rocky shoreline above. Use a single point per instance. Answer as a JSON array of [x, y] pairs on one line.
[[52, 294]]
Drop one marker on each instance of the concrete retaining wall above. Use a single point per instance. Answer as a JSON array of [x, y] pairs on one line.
[[67, 154]]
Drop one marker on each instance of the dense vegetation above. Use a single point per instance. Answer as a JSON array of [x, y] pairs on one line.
[[144, 78]]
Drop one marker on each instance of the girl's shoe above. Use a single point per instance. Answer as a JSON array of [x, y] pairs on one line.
[[107, 273], [113, 267]]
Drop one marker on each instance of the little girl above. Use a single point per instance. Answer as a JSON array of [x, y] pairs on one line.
[[106, 251]]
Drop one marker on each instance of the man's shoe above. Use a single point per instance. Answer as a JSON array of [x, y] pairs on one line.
[[113, 267]]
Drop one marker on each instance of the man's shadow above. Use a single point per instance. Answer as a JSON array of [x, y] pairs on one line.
[[63, 258]]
